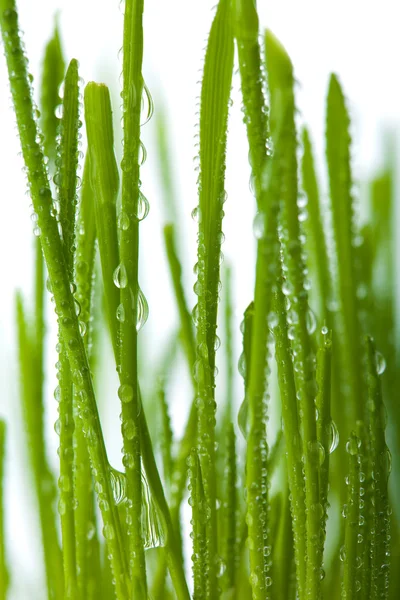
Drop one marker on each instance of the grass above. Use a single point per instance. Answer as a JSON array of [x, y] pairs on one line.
[[315, 519]]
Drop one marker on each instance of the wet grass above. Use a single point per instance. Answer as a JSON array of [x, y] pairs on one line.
[[313, 334]]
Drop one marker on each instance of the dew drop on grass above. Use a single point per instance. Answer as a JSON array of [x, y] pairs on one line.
[[142, 313], [118, 485], [120, 276], [196, 214], [334, 437], [242, 418], [123, 221], [380, 363], [259, 225], [311, 321], [316, 452], [128, 429], [353, 445], [108, 532], [147, 100], [125, 393], [120, 313], [143, 207], [152, 529]]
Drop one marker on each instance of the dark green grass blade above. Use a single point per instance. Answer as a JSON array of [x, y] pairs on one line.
[[198, 503], [291, 426], [251, 77], [215, 94], [281, 86], [229, 525], [59, 277], [53, 69], [43, 479], [326, 428], [380, 470], [349, 344], [129, 266], [66, 176], [4, 575], [314, 230]]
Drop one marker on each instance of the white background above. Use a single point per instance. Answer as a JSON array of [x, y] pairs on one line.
[[358, 39]]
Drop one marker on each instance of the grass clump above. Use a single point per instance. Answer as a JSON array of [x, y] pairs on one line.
[[317, 315]]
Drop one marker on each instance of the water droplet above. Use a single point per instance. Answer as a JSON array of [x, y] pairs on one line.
[[142, 311], [242, 366], [123, 221], [57, 393], [311, 321], [146, 98], [380, 363], [324, 330], [196, 214], [120, 313], [316, 452], [37, 231], [108, 532], [334, 437], [259, 225], [120, 276], [118, 485], [125, 393], [152, 530], [143, 207], [342, 554], [353, 445], [128, 429]]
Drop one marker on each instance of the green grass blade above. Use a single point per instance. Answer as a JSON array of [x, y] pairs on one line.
[[380, 470], [166, 434], [291, 426], [129, 267], [281, 85], [66, 176], [198, 503], [351, 511], [229, 545], [65, 427], [326, 428], [251, 77], [184, 314], [340, 182], [104, 181], [245, 366], [314, 230], [4, 575], [215, 94], [53, 69], [43, 479], [228, 343], [59, 277], [165, 166]]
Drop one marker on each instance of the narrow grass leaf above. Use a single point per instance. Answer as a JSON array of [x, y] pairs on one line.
[[281, 86], [198, 503], [215, 94], [229, 542], [4, 574]]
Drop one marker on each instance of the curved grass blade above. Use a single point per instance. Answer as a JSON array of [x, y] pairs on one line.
[[4, 574], [215, 94], [281, 82], [59, 278]]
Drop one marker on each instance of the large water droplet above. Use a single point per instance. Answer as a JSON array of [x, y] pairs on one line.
[[149, 109], [259, 225], [380, 363], [334, 437], [143, 207], [120, 276], [152, 530], [353, 445], [142, 311], [120, 313], [125, 393], [123, 221], [118, 485], [311, 321]]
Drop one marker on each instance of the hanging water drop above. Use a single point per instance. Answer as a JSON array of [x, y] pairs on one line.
[[311, 321], [334, 437], [150, 104], [142, 309], [152, 530], [120, 276], [259, 225], [143, 207], [125, 393], [123, 221], [120, 313], [380, 363], [242, 418], [118, 485]]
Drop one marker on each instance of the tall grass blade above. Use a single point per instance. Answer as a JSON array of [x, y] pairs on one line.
[[4, 574]]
